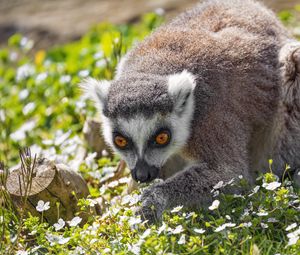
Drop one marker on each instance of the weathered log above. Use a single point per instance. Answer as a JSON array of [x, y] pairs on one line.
[[51, 182], [94, 139]]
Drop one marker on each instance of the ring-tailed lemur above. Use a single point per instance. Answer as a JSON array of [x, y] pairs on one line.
[[218, 87]]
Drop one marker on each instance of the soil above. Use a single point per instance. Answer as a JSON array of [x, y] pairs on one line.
[[50, 22]]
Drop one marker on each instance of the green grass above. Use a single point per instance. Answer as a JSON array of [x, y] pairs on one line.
[[41, 107]]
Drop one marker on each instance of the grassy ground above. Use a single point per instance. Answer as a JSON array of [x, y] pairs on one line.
[[41, 107]]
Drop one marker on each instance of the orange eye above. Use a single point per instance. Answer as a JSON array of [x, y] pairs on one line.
[[120, 141], [162, 138]]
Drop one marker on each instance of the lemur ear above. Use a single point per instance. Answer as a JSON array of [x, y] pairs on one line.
[[180, 88], [96, 90]]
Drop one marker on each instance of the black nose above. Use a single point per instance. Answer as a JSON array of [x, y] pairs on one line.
[[143, 172], [142, 176]]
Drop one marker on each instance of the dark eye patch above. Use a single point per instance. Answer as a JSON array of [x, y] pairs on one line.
[[129, 143], [152, 141]]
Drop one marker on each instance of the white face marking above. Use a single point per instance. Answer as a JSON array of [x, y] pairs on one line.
[[140, 128]]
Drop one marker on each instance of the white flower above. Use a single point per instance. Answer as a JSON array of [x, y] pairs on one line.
[[63, 240], [101, 63], [226, 225], [24, 71], [107, 250], [59, 225], [216, 193], [230, 225], [182, 239], [113, 184], [26, 44], [57, 239], [41, 77], [273, 220], [136, 248], [13, 56], [28, 108], [162, 228], [293, 240], [134, 199], [35, 248], [271, 185], [90, 160], [191, 214], [32, 233], [42, 206], [178, 229], [65, 79], [75, 221], [146, 233], [94, 240], [78, 250], [227, 217], [134, 221], [83, 73], [199, 230], [159, 11], [115, 210], [256, 188], [131, 199], [218, 185], [292, 226], [20, 134], [91, 202], [262, 213], [214, 205], [263, 225], [293, 237], [2, 116], [92, 230], [61, 137], [22, 253], [23, 94], [126, 199], [98, 55], [245, 213], [220, 228], [230, 182], [247, 224], [238, 196], [176, 209]]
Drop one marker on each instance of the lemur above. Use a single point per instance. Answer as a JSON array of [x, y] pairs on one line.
[[216, 90]]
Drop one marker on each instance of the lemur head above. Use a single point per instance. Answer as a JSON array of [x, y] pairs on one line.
[[146, 119]]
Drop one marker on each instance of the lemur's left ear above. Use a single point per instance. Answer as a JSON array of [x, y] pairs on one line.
[[96, 90], [180, 88]]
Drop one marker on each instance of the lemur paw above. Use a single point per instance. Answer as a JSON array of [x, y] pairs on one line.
[[148, 214], [153, 204]]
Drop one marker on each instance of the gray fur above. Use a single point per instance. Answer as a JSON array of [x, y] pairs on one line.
[[139, 93], [246, 105]]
